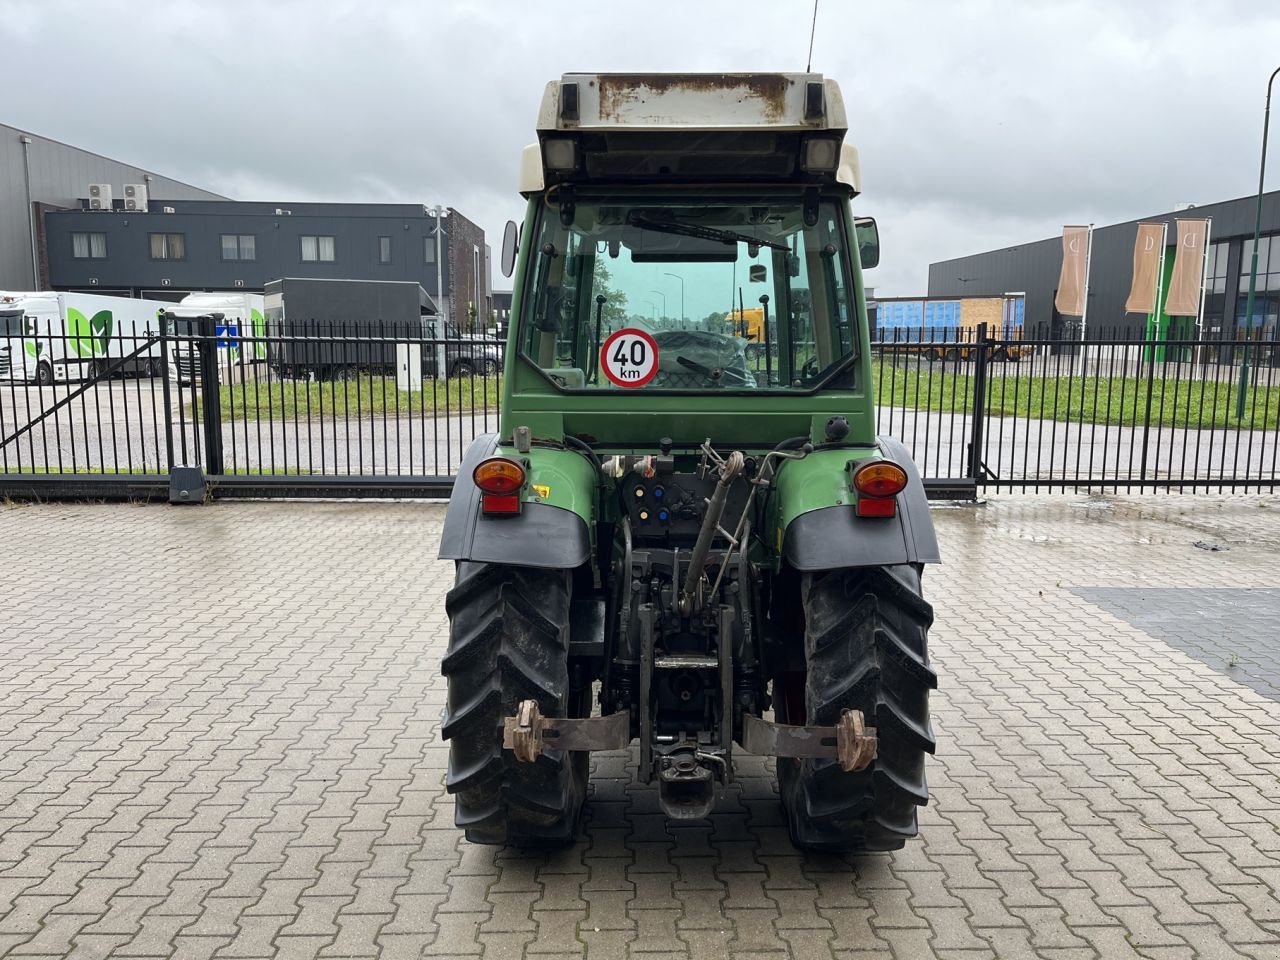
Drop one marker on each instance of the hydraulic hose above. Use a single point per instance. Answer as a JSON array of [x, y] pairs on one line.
[[729, 471]]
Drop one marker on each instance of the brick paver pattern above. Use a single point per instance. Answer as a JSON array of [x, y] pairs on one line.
[[1236, 630], [219, 736]]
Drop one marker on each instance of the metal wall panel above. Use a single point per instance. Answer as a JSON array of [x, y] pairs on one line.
[[60, 175], [1034, 267]]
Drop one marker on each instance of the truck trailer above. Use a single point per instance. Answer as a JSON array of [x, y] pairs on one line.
[[946, 328], [48, 337], [241, 326], [327, 329]]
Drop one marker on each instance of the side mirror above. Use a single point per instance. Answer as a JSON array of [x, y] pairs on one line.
[[510, 246], [868, 235]]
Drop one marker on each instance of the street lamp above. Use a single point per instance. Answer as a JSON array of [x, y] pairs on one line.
[[653, 309], [681, 279], [1253, 267], [664, 302]]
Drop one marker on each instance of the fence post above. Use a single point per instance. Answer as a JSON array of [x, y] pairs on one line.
[[1152, 350], [981, 355], [166, 388], [210, 407]]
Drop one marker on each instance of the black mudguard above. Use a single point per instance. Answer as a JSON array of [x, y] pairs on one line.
[[833, 537], [540, 536]]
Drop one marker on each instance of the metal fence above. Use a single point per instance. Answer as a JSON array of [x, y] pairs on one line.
[[344, 411], [992, 410], [324, 410]]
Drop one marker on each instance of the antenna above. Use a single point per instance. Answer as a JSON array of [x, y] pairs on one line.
[[812, 29]]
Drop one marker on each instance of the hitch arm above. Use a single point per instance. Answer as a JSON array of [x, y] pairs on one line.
[[850, 741], [529, 733]]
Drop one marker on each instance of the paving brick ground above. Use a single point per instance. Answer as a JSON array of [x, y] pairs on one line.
[[1233, 630], [218, 737]]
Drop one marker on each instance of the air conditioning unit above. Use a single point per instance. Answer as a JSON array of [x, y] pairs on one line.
[[135, 197], [99, 196], [169, 210]]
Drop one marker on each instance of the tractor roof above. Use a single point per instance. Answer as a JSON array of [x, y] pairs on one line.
[[685, 127]]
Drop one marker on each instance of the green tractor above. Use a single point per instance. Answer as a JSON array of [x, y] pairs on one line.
[[671, 539]]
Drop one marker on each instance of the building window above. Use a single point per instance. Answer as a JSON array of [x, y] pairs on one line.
[[429, 250], [239, 246], [384, 249], [1215, 296], [317, 249], [168, 246], [1268, 264], [89, 246], [1265, 323], [1216, 268]]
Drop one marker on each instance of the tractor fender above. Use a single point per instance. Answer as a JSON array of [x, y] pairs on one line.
[[830, 537], [544, 534]]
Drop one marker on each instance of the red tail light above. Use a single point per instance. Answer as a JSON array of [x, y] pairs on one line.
[[878, 482], [877, 507], [499, 480], [500, 504]]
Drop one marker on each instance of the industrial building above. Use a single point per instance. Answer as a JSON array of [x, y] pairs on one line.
[[71, 220], [38, 174], [182, 246], [1033, 269]]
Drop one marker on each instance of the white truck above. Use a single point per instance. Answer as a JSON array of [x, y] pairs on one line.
[[243, 316], [49, 337]]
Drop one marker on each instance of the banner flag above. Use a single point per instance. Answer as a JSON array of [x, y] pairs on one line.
[[1146, 268], [1071, 284], [1188, 270]]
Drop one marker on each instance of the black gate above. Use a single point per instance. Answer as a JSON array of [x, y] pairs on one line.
[[328, 411]]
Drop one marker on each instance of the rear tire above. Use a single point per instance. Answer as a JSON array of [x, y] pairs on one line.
[[44, 374], [509, 641], [866, 649]]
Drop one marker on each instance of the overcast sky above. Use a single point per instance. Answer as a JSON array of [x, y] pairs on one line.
[[980, 124]]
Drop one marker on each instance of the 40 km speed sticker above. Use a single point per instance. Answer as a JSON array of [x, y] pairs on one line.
[[630, 357]]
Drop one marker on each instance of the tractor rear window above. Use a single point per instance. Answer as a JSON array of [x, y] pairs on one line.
[[655, 295]]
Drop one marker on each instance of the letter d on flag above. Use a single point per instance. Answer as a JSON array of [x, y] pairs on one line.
[[1071, 283]]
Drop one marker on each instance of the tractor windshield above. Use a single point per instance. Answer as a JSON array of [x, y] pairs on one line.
[[673, 295]]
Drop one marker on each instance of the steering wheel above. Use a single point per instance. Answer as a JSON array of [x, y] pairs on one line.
[[711, 373]]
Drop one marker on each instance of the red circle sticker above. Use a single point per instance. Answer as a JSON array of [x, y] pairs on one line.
[[630, 357]]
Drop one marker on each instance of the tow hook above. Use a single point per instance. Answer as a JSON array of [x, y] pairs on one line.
[[850, 741], [528, 734]]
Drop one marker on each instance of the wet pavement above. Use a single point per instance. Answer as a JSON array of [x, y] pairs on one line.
[[219, 736]]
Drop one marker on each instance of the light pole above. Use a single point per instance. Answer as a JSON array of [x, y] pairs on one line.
[[653, 309], [1253, 267], [438, 212], [664, 302], [681, 279]]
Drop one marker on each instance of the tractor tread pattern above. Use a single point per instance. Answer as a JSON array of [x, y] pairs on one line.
[[866, 648], [508, 641]]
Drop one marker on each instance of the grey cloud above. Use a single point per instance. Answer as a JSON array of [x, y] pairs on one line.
[[981, 124]]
